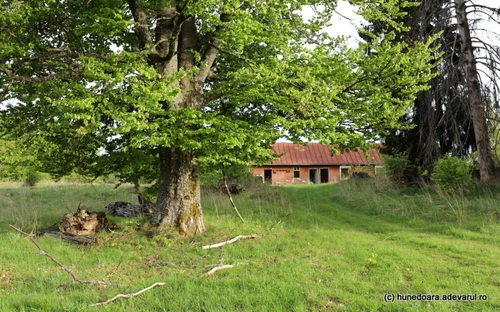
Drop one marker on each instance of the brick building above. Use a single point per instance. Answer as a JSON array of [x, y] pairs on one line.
[[314, 163]]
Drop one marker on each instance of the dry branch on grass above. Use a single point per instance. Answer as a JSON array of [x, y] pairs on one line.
[[220, 267], [230, 241], [231, 200], [65, 268], [127, 295], [82, 239]]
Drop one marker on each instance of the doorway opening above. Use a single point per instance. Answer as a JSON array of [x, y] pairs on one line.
[[313, 175], [324, 175], [268, 176]]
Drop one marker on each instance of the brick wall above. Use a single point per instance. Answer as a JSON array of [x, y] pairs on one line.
[[285, 174]]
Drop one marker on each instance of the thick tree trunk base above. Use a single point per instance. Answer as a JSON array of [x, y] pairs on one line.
[[178, 203]]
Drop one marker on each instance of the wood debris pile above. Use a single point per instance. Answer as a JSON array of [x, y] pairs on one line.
[[83, 222]]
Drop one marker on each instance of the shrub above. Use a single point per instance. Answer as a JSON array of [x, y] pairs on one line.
[[399, 169], [32, 178], [452, 174]]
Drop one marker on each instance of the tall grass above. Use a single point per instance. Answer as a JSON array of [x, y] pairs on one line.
[[44, 205], [474, 210], [320, 248]]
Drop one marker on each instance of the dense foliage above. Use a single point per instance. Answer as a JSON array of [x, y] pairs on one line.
[[151, 89], [86, 88], [453, 174], [401, 170]]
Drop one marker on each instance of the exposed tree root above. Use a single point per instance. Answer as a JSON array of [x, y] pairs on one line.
[[127, 295], [230, 241], [65, 268]]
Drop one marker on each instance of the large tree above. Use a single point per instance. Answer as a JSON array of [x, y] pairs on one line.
[[476, 99], [440, 118], [446, 118], [182, 82]]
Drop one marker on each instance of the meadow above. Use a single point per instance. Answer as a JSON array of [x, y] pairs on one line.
[[351, 246]]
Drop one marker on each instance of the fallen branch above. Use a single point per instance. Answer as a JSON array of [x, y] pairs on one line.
[[230, 241], [82, 239], [220, 267], [231, 200], [127, 295], [70, 272]]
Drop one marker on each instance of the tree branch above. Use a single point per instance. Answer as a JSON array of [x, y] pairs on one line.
[[231, 198], [141, 29], [70, 272], [169, 23], [230, 241], [212, 50], [127, 295], [220, 267]]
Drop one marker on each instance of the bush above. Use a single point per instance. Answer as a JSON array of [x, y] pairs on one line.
[[399, 169], [32, 178], [452, 174]]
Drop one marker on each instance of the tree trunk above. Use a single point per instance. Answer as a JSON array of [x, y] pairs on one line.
[[486, 164], [178, 201], [174, 43]]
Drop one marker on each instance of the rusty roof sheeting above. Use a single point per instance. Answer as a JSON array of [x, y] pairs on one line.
[[318, 154]]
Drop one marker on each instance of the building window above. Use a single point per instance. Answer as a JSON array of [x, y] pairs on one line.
[[345, 172], [379, 170], [296, 172]]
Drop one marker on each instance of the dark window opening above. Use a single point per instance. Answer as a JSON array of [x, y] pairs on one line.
[[296, 172]]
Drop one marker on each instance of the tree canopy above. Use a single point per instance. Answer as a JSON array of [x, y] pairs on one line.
[[89, 84]]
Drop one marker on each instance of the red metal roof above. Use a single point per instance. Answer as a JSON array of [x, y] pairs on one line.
[[318, 154]]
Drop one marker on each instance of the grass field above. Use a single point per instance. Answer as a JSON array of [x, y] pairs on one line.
[[342, 247]]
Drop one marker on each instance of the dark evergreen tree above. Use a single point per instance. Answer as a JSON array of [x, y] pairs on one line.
[[440, 122]]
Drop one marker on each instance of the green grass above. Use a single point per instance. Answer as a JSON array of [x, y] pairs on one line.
[[321, 248]]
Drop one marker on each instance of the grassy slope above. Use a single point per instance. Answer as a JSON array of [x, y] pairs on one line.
[[321, 247]]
